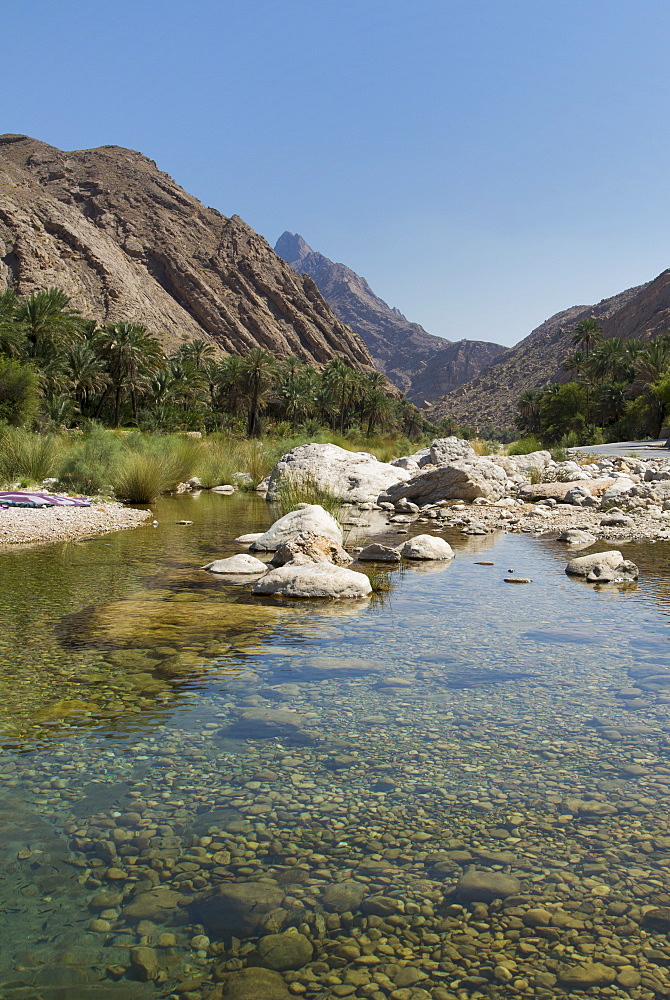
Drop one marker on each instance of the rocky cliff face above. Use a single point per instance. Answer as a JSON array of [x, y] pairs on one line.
[[535, 362], [127, 243], [422, 365]]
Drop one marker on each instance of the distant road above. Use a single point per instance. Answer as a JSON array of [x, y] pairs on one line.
[[645, 449]]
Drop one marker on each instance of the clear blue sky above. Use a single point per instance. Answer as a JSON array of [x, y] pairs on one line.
[[483, 163]]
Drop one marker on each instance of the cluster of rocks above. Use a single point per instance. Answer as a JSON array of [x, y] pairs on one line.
[[451, 488], [610, 497], [308, 559]]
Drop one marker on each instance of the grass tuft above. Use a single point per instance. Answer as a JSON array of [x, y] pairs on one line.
[[27, 457]]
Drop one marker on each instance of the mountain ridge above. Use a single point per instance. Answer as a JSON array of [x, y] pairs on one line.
[[535, 362], [403, 350]]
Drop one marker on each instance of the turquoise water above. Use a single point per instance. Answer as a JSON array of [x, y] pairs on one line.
[[165, 730]]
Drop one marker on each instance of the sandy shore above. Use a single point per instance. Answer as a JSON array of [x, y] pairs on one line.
[[21, 525]]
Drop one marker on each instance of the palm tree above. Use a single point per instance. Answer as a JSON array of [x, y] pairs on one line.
[[83, 368], [529, 411], [587, 333], [132, 355], [610, 401], [48, 322], [197, 352], [342, 381], [376, 407], [257, 372], [297, 390], [650, 364]]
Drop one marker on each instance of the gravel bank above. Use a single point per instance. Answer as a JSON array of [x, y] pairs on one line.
[[19, 525]]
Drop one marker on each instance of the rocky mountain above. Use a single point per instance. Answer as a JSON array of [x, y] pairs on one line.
[[127, 243], [422, 365], [535, 362]]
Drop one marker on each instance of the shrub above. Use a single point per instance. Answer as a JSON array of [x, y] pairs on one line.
[[141, 478], [91, 464], [525, 445], [27, 457]]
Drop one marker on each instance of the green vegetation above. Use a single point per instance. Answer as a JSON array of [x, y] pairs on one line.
[[525, 445], [137, 466], [59, 369], [618, 390]]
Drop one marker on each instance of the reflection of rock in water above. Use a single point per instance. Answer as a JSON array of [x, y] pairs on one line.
[[156, 623]]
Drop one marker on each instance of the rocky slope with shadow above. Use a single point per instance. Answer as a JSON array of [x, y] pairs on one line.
[[127, 243]]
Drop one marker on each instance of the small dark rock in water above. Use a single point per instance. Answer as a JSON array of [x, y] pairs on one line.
[[183, 522], [239, 908], [488, 564], [657, 920], [517, 579]]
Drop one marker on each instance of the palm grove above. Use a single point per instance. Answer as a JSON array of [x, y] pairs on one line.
[[59, 368], [618, 390]]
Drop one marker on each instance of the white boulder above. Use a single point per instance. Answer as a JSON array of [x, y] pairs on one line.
[[427, 547], [308, 517], [240, 565], [314, 580], [444, 451], [618, 489], [603, 567], [462, 480], [353, 476]]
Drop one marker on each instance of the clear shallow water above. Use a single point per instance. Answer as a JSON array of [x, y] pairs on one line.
[[164, 730]]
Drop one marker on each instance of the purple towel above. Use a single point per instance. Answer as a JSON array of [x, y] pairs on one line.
[[41, 500]]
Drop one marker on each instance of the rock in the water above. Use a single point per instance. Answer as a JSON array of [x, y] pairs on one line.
[[250, 537], [575, 536], [582, 977], [144, 962], [282, 952], [317, 548], [255, 984], [445, 451], [240, 565], [308, 517], [343, 896], [427, 547], [462, 480], [239, 907], [314, 580], [226, 488], [658, 919], [603, 567], [484, 887], [356, 477], [264, 723], [377, 552], [625, 572], [155, 904]]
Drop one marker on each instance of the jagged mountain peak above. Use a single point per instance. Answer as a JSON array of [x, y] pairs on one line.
[[292, 248]]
